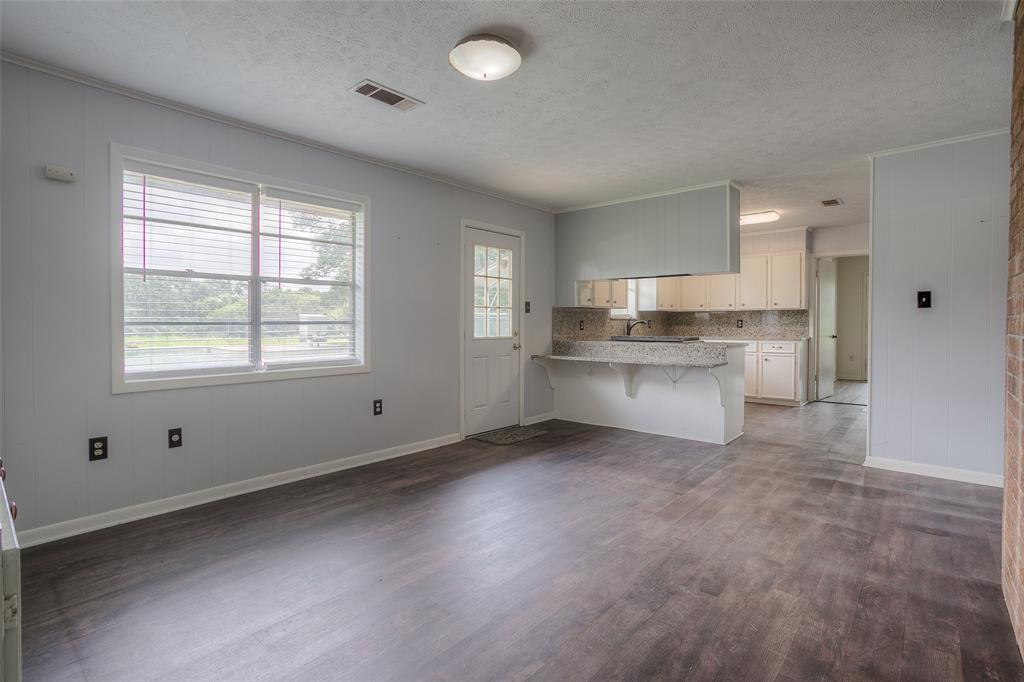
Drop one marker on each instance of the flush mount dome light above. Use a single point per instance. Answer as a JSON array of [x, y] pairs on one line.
[[762, 217], [485, 57]]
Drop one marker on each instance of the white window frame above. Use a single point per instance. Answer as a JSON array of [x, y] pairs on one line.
[[361, 277]]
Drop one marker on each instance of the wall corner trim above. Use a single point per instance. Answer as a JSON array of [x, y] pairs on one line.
[[115, 517], [935, 471]]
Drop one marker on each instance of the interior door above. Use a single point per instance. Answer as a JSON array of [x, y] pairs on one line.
[[492, 369], [826, 331]]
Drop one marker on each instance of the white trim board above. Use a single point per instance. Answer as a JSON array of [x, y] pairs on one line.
[[652, 195], [538, 418], [115, 517], [935, 471], [252, 127], [937, 143]]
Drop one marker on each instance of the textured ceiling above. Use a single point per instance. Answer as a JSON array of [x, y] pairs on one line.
[[614, 99]]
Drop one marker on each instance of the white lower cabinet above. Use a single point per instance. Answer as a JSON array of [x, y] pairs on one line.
[[750, 374], [778, 376]]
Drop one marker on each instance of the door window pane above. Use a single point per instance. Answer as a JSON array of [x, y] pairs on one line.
[[492, 292]]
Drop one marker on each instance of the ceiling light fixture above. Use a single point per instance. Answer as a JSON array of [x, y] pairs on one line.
[[762, 217], [485, 57]]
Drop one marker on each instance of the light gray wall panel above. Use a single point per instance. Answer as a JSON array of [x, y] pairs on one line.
[[940, 223], [684, 233], [56, 310]]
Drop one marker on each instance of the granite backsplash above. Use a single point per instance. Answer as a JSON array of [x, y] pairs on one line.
[[757, 324]]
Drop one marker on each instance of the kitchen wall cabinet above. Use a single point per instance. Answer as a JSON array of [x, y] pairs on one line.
[[695, 231], [722, 292], [753, 283], [786, 281], [620, 293], [692, 293], [601, 293], [667, 293], [585, 294]]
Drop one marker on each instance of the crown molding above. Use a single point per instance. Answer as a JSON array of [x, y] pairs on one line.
[[100, 84], [654, 195], [939, 143]]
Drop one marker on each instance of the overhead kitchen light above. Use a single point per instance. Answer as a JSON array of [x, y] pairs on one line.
[[762, 217], [485, 57]]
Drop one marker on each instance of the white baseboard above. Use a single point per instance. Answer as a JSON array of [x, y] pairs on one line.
[[114, 517], [935, 471], [538, 418]]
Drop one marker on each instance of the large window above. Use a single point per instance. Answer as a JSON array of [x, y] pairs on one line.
[[226, 280]]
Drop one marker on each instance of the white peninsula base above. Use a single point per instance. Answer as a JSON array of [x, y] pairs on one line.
[[698, 403]]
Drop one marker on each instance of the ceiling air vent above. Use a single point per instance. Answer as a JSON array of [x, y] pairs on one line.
[[832, 202], [392, 98]]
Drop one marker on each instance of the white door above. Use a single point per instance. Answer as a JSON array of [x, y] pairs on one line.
[[693, 293], [491, 390], [750, 375], [722, 292], [786, 281], [778, 377], [826, 331], [753, 285]]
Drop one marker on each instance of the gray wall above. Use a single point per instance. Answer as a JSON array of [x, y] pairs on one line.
[[940, 222], [851, 317], [56, 313]]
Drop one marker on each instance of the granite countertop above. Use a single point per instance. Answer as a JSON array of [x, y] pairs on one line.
[[665, 354]]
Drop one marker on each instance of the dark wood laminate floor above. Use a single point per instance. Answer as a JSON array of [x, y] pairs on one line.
[[587, 553]]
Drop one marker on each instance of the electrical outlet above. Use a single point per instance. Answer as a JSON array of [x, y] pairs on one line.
[[174, 437], [739, 324], [98, 448], [378, 407], [581, 325]]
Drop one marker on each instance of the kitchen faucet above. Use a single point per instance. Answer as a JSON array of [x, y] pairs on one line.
[[634, 323]]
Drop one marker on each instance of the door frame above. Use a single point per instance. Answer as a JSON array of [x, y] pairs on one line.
[[812, 365], [521, 316]]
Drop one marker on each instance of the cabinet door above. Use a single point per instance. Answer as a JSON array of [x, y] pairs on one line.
[[602, 293], [753, 283], [722, 292], [750, 375], [585, 293], [786, 280], [620, 293], [778, 376], [693, 292], [668, 293]]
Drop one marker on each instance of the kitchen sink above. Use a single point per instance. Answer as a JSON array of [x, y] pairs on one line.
[[657, 339]]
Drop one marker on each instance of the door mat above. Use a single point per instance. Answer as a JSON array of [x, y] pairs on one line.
[[509, 435]]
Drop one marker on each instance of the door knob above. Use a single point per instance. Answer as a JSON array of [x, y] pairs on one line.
[[516, 346], [834, 336]]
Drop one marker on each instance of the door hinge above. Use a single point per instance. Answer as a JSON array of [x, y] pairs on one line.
[[12, 611]]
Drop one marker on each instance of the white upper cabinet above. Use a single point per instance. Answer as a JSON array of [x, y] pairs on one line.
[[602, 293], [786, 282], [620, 293], [585, 293], [693, 293], [668, 293], [695, 231], [753, 283], [722, 292]]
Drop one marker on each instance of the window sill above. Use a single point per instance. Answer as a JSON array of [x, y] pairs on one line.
[[232, 378]]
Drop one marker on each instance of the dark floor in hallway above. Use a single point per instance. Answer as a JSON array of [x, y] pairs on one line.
[[585, 553]]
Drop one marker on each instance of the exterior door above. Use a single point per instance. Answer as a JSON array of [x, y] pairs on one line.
[[826, 331], [492, 369]]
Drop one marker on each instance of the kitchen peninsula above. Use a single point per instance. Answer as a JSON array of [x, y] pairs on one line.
[[663, 385]]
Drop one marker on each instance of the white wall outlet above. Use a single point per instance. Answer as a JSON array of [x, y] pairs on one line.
[[61, 174]]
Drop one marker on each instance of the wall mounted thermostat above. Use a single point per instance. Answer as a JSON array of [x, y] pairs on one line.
[[61, 174], [924, 299]]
